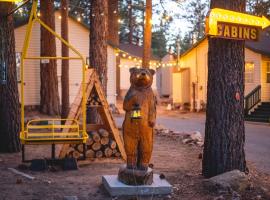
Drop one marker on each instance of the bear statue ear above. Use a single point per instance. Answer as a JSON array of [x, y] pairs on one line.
[[132, 70], [152, 71]]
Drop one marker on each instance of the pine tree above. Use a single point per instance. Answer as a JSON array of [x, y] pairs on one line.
[[9, 98], [49, 96], [197, 10], [147, 39], [159, 43], [98, 39], [98, 46], [65, 63], [113, 34], [224, 129], [259, 7]]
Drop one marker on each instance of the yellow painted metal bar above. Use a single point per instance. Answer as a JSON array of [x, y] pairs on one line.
[[24, 53], [58, 36], [53, 58], [33, 17], [83, 69], [50, 120], [54, 139], [52, 135], [49, 126], [84, 98]]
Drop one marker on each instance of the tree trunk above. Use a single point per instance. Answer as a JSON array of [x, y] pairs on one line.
[[224, 130], [9, 98], [49, 97], [65, 63], [98, 46], [113, 25], [98, 39], [147, 35], [130, 25], [113, 36]]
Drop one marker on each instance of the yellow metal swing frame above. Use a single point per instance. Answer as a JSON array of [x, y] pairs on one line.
[[35, 132]]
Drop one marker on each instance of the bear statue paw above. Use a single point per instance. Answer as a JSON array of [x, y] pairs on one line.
[[143, 167], [151, 124], [131, 166]]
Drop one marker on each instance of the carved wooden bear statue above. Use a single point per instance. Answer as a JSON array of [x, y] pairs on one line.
[[138, 133]]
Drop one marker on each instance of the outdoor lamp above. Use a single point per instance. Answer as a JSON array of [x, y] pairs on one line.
[[136, 112]]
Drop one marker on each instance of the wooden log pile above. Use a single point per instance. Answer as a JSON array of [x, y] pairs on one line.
[[100, 144], [93, 100]]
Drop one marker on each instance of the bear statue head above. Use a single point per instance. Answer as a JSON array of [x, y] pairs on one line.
[[141, 77]]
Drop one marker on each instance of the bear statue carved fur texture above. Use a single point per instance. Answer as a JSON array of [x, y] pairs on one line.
[[138, 133]]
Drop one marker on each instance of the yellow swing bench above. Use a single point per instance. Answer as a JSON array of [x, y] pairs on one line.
[[51, 131]]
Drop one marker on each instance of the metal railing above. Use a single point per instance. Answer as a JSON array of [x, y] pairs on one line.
[[252, 99]]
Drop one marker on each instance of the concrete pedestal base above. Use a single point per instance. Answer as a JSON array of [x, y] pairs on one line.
[[117, 188]]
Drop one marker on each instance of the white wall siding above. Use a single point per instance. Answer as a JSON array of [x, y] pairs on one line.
[[166, 77], [265, 85], [32, 67], [111, 83], [197, 61], [252, 57], [126, 64]]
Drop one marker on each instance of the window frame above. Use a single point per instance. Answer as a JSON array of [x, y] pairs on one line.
[[18, 57], [267, 71], [250, 72]]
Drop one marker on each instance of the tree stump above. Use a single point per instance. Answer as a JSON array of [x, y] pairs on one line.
[[135, 176]]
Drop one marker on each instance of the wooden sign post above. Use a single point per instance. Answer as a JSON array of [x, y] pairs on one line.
[[234, 25]]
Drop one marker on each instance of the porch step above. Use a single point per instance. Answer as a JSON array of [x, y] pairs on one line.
[[260, 114]]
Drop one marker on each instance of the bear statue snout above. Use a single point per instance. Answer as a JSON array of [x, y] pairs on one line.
[[143, 74]]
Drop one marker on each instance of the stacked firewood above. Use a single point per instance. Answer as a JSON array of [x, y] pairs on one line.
[[99, 145], [93, 100]]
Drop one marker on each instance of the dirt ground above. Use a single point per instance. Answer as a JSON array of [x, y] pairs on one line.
[[180, 163]]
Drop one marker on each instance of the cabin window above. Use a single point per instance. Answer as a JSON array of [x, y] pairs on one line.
[[268, 72], [249, 72], [18, 65]]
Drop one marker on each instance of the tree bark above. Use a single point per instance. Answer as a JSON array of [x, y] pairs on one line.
[[113, 36], [113, 25], [98, 47], [147, 35], [98, 39], [49, 96], [9, 98], [130, 25], [65, 63], [224, 130]]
